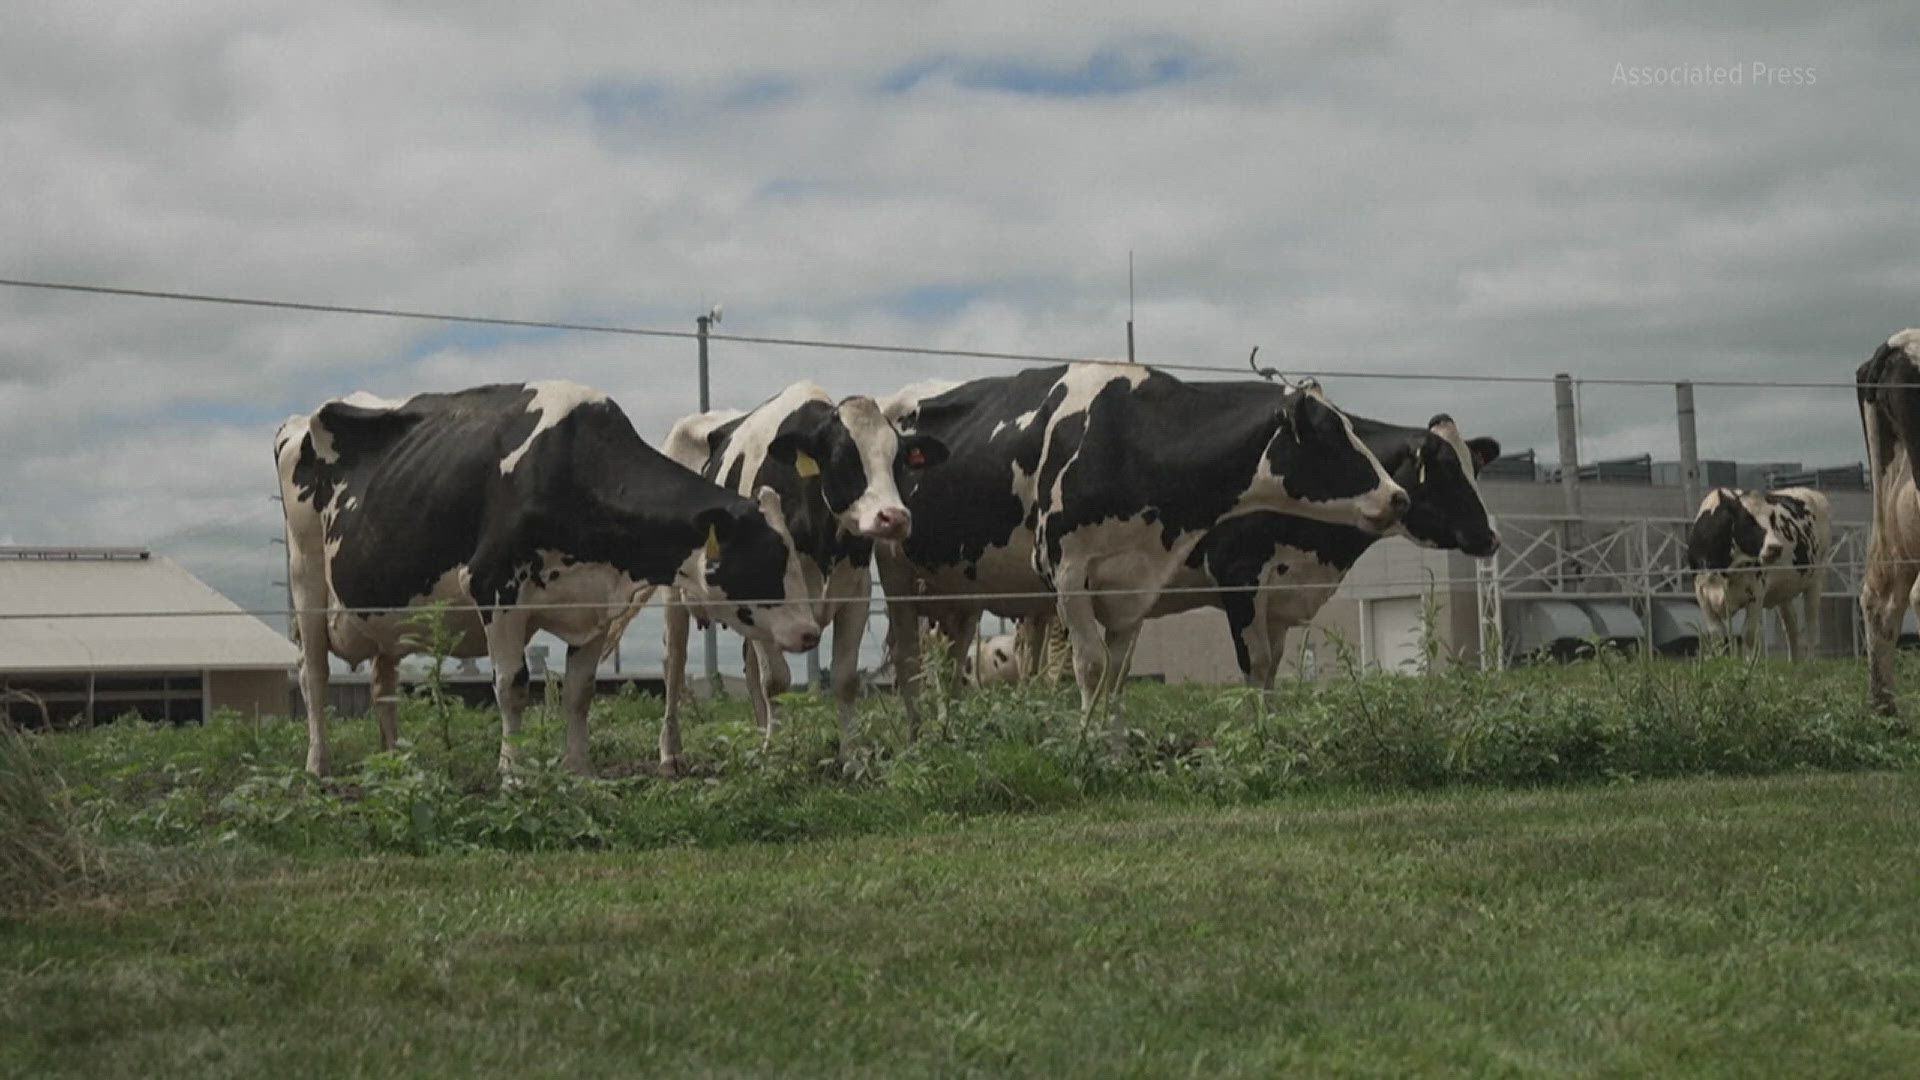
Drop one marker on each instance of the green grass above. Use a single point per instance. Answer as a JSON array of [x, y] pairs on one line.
[[1011, 749], [1729, 927], [1489, 874]]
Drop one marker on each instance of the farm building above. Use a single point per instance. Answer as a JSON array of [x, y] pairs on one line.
[[123, 630], [1612, 570]]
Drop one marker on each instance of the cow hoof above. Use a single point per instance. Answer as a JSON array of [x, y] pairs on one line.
[[671, 767]]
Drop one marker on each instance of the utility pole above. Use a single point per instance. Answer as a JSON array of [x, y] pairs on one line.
[[1569, 442], [1689, 447], [1130, 306], [710, 637], [1566, 420]]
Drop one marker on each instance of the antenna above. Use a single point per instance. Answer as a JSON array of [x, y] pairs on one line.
[[1130, 305], [1268, 373]]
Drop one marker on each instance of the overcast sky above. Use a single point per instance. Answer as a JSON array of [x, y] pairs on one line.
[[1415, 188]]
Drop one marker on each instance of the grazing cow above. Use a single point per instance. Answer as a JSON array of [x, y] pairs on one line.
[[1276, 571], [530, 506], [1090, 484], [994, 662], [1296, 563], [838, 468], [1751, 550], [1889, 392]]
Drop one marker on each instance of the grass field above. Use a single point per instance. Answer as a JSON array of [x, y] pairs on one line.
[[1753, 927], [1614, 868]]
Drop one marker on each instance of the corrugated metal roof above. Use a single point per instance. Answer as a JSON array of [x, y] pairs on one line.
[[34, 586]]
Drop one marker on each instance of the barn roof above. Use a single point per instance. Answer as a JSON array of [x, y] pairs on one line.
[[175, 623]]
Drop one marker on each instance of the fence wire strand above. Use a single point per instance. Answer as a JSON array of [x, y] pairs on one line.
[[908, 350], [879, 602]]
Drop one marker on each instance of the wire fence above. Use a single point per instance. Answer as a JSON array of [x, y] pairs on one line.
[[661, 596], [913, 350], [1424, 582]]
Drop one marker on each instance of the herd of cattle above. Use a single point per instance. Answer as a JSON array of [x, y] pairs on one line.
[[1098, 494]]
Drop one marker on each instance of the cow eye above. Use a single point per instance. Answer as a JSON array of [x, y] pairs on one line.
[[713, 573]]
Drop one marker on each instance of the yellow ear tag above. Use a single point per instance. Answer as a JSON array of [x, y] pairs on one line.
[[804, 464], [713, 544]]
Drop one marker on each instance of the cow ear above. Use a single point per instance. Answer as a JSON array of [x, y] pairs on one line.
[[1315, 421], [1484, 451], [922, 451], [769, 501], [1300, 414], [715, 525], [796, 449]]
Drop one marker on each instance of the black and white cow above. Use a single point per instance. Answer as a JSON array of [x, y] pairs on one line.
[[531, 506], [1752, 550], [994, 661], [1889, 394], [1279, 570], [1276, 571], [839, 468], [1090, 485]]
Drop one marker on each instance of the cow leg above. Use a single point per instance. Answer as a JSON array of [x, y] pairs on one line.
[[1883, 606], [962, 630], [903, 648], [1248, 632], [583, 663], [1718, 631], [1790, 620], [849, 627], [1120, 641], [757, 690], [313, 687], [1750, 632], [507, 650], [903, 634], [1277, 639], [679, 621], [384, 688], [1089, 647], [1030, 643], [1813, 601]]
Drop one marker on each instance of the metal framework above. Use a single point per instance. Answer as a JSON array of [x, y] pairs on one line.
[[1634, 560]]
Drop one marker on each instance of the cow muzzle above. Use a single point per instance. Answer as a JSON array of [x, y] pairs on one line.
[[888, 523], [1481, 547], [798, 638], [1384, 511]]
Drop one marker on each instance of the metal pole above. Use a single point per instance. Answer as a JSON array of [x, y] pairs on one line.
[[710, 636], [1130, 307], [1567, 421], [1689, 446], [1569, 442]]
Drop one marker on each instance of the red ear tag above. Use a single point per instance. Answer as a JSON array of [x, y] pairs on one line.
[[916, 458]]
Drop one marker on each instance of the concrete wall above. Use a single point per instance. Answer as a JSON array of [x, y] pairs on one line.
[[1633, 501], [249, 692], [1195, 647]]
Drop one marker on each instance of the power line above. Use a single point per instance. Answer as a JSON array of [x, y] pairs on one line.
[[909, 350]]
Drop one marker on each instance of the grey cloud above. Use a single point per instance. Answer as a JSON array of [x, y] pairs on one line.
[[1365, 187]]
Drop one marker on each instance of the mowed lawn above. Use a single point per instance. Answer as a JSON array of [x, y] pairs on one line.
[[1752, 927]]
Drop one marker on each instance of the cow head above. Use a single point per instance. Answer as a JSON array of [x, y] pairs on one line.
[[860, 462], [747, 574], [1323, 471], [1439, 473], [1732, 534]]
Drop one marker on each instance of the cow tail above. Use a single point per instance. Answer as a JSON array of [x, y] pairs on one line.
[[1870, 387]]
